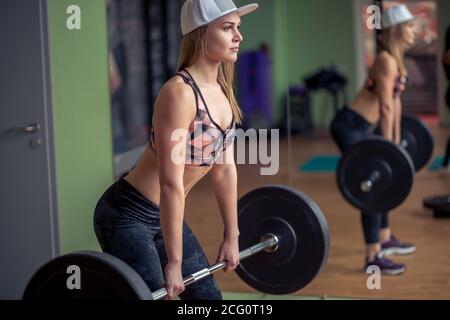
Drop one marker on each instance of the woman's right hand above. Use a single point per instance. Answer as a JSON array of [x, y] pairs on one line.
[[174, 281]]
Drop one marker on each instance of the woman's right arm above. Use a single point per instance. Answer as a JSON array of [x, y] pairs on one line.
[[172, 113], [385, 76]]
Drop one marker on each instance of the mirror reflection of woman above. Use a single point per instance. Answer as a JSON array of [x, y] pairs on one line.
[[378, 104]]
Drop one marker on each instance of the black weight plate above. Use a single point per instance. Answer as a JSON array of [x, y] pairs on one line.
[[103, 277], [419, 141], [438, 203], [358, 163], [302, 231]]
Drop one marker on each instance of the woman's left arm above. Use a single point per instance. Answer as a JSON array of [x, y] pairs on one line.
[[224, 179], [398, 120]]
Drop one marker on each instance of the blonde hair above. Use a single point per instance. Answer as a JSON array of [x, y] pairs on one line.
[[192, 45], [391, 40]]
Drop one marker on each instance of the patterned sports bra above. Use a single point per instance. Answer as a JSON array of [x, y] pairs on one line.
[[399, 85], [206, 140]]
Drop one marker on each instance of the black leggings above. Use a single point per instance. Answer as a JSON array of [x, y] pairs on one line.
[[347, 128], [127, 226]]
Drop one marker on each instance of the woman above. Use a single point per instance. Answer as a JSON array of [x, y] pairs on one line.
[[140, 218], [378, 103]]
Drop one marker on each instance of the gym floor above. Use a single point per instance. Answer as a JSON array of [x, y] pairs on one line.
[[428, 273]]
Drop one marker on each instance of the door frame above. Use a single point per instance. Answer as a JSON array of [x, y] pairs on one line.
[[49, 127]]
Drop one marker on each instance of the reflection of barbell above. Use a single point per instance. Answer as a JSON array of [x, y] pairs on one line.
[[290, 242], [376, 175], [417, 140]]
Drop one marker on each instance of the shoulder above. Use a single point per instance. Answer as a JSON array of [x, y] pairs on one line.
[[386, 63], [176, 89], [176, 96]]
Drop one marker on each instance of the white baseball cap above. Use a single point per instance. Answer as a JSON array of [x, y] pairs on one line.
[[198, 13], [396, 15]]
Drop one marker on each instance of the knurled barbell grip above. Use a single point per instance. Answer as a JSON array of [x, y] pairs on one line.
[[270, 242]]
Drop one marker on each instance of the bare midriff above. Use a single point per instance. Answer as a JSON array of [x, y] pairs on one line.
[[367, 105], [144, 177]]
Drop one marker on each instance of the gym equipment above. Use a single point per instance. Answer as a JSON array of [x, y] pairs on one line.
[[288, 230], [375, 175], [416, 139], [101, 276], [439, 205], [303, 239]]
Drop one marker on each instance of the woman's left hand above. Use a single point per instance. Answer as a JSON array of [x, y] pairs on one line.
[[229, 251]]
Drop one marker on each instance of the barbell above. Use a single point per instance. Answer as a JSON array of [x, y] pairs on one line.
[[416, 139], [376, 175], [284, 231]]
